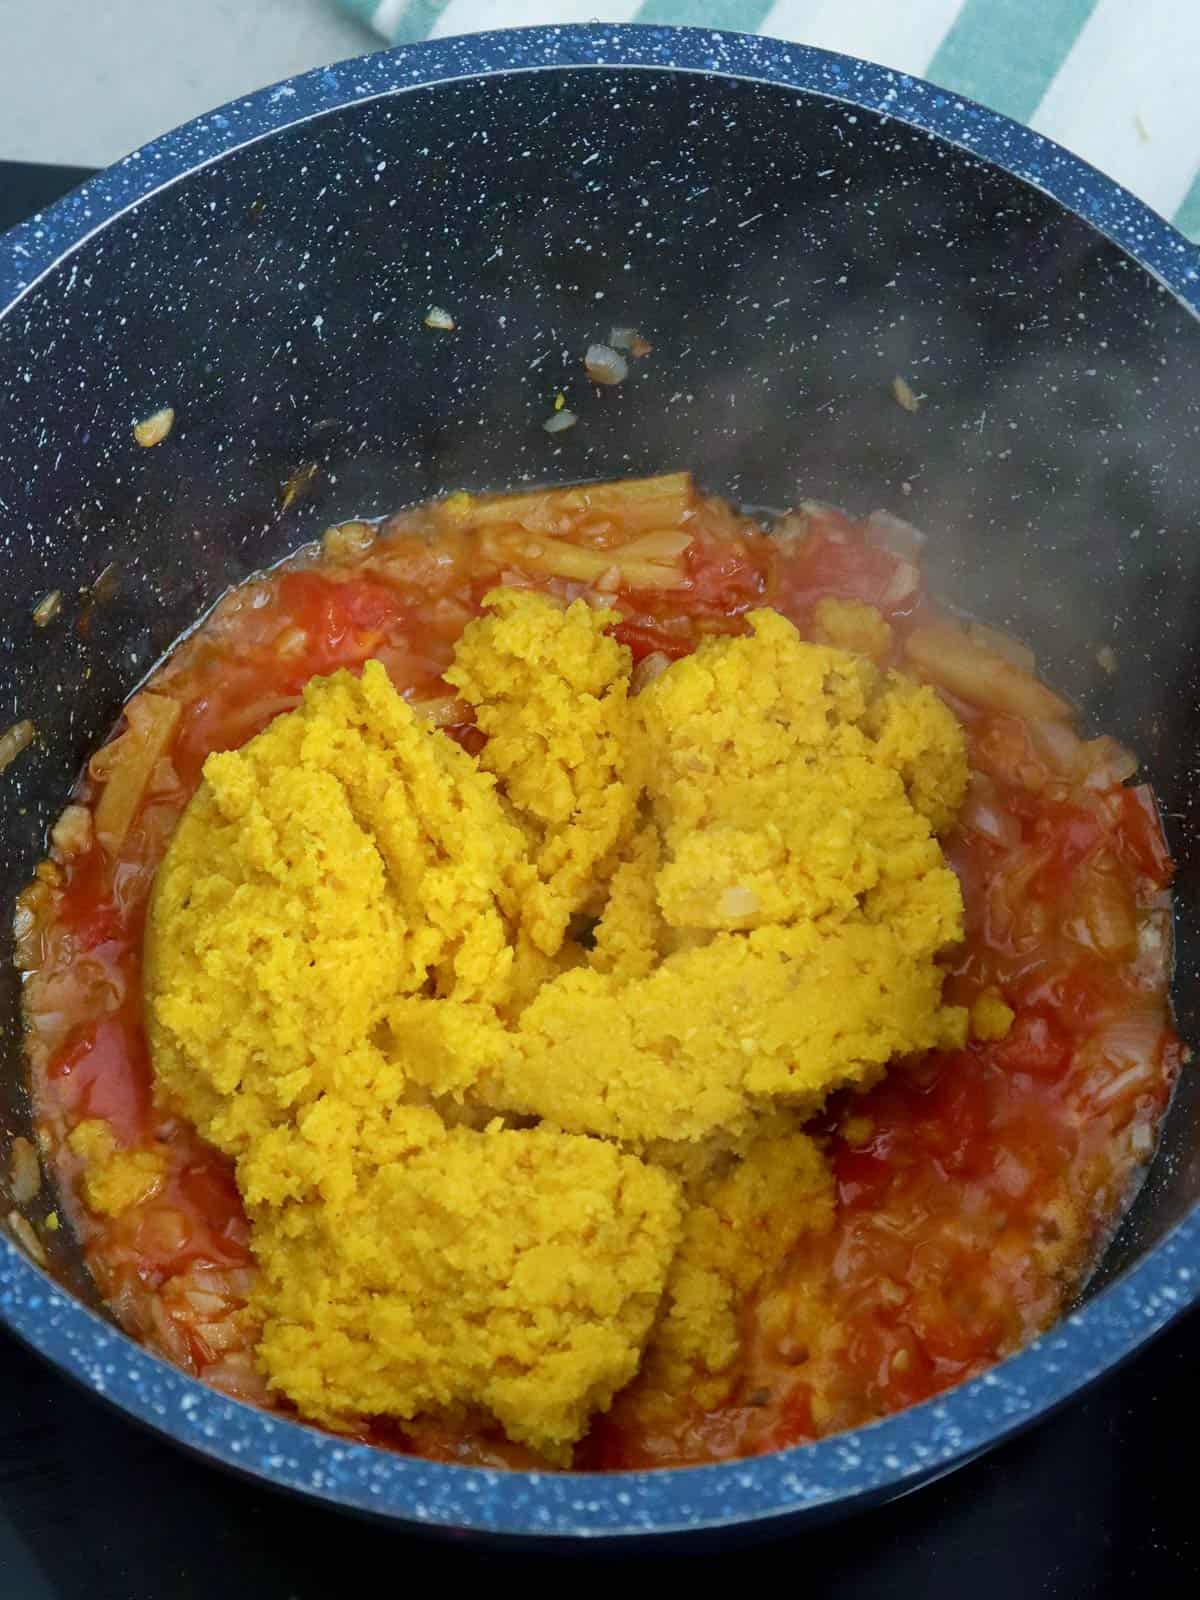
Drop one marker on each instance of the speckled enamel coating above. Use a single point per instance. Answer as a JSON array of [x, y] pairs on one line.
[[1160, 1266], [33, 247]]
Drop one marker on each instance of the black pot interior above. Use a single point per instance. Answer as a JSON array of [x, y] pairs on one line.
[[788, 255]]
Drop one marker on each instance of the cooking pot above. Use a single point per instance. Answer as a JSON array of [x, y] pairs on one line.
[[793, 230]]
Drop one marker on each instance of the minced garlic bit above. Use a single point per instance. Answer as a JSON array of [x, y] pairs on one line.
[[154, 429], [905, 397], [436, 317], [1106, 659], [47, 608], [13, 740]]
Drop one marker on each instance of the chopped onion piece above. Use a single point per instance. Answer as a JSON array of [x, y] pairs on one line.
[[291, 642], [22, 1232], [26, 938], [1141, 1138], [904, 582], [661, 545], [154, 429], [793, 527], [442, 711], [887, 532], [237, 1376], [953, 661], [165, 1229], [436, 317], [206, 1303], [1108, 913], [647, 669], [631, 341], [224, 1335], [72, 834], [1154, 940], [560, 421], [902, 391], [15, 739], [983, 814], [47, 608], [26, 1172], [1058, 745], [346, 540], [605, 365], [132, 758], [28, 924], [814, 516], [1004, 644], [638, 504], [567, 560], [1106, 763], [1129, 1046], [1137, 1077]]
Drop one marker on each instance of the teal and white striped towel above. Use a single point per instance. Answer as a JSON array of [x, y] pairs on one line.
[[1113, 80]]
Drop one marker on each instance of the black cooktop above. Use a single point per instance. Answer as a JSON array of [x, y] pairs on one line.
[[1098, 1501]]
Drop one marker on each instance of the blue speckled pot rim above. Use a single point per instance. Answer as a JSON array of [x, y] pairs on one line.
[[886, 1458]]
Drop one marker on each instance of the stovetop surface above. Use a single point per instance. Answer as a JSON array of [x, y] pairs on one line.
[[1098, 1501]]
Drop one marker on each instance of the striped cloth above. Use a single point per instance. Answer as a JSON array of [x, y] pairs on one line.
[[1113, 80]]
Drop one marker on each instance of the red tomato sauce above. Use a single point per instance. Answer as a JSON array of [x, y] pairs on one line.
[[974, 1189]]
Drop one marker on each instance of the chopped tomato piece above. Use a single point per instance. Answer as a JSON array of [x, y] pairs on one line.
[[794, 1424], [848, 571], [648, 638], [862, 1176], [105, 1073], [1035, 1044], [343, 621], [726, 578], [1069, 835], [1077, 996], [88, 906]]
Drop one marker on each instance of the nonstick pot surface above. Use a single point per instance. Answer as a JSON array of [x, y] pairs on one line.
[[789, 254]]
